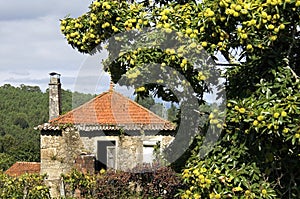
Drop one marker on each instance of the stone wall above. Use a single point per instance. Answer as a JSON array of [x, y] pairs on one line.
[[130, 152], [58, 152]]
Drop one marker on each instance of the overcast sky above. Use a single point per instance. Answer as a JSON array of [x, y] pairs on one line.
[[32, 46]]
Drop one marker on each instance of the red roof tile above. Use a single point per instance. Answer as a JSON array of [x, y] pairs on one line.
[[20, 168], [111, 110]]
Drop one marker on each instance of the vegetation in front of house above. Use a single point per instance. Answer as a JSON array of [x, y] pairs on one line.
[[140, 182], [27, 186]]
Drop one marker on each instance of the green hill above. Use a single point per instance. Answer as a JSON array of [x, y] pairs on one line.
[[21, 109]]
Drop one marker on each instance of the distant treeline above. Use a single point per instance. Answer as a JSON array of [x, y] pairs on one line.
[[21, 109]]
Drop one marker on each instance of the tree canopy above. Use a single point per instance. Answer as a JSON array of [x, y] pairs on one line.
[[258, 152], [22, 109]]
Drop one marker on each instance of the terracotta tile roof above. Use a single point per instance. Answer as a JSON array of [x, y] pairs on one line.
[[110, 111], [20, 168]]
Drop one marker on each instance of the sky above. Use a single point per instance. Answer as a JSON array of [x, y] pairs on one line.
[[32, 46]]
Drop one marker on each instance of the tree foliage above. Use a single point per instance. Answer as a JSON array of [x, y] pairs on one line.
[[23, 108], [258, 151], [25, 186], [146, 102], [172, 113]]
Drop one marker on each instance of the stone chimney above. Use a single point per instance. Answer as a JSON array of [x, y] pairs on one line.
[[54, 95]]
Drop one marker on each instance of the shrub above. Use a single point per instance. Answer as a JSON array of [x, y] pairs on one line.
[[23, 187], [228, 171], [143, 181]]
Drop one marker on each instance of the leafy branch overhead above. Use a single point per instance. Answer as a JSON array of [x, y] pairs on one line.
[[254, 26]]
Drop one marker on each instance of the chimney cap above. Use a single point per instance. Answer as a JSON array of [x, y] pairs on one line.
[[54, 73], [111, 86]]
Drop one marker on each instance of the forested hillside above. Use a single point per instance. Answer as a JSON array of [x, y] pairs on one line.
[[21, 109]]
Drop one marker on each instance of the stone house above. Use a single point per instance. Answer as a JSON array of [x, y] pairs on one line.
[[109, 131]]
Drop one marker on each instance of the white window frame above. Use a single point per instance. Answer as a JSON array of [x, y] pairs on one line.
[[111, 139], [114, 156]]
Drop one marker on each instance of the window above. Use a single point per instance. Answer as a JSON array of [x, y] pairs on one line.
[[148, 150], [148, 154], [106, 154]]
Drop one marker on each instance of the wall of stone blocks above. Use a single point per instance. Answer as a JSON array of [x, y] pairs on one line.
[[58, 152]]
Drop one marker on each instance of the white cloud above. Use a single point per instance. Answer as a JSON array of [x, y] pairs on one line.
[[31, 44], [32, 9]]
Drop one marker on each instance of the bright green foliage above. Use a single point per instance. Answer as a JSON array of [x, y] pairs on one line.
[[23, 187], [77, 180], [228, 171], [258, 152]]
